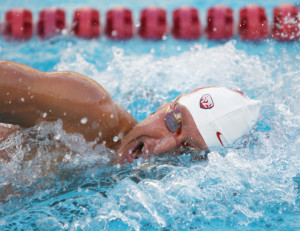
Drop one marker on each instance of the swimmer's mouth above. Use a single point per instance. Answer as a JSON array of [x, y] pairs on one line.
[[135, 152]]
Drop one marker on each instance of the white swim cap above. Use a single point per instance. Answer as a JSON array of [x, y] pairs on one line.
[[220, 114]]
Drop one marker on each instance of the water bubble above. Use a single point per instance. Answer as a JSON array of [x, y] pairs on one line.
[[111, 116], [44, 114], [84, 120], [22, 99]]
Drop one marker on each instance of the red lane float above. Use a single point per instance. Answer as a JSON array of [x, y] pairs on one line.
[[18, 24], [153, 23], [286, 22], [253, 23], [86, 23], [186, 23], [119, 23], [220, 23], [51, 22]]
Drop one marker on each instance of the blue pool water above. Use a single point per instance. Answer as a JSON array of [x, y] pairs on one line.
[[255, 185]]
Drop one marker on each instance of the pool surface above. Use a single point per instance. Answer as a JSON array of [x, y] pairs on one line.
[[255, 185]]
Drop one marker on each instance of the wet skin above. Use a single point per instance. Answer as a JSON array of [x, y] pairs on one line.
[[29, 96], [151, 137]]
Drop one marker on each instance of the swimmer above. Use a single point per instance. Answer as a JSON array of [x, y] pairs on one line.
[[203, 119], [200, 120]]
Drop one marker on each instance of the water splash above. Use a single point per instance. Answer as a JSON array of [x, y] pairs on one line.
[[38, 154], [251, 185]]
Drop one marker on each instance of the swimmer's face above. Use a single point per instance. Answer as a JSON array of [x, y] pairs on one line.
[[166, 131]]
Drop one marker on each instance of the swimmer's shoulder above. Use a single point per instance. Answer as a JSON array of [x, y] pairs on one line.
[[45, 81]]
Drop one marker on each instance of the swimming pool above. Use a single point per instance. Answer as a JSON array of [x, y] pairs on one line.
[[252, 186]]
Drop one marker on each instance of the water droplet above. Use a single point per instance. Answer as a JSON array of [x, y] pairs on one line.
[[117, 52], [84, 120], [64, 32], [57, 137], [45, 114], [115, 139], [111, 116], [22, 99], [100, 134]]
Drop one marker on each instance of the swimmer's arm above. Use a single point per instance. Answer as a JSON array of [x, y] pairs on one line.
[[29, 96]]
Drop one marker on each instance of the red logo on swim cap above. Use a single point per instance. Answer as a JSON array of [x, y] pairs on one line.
[[206, 102]]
